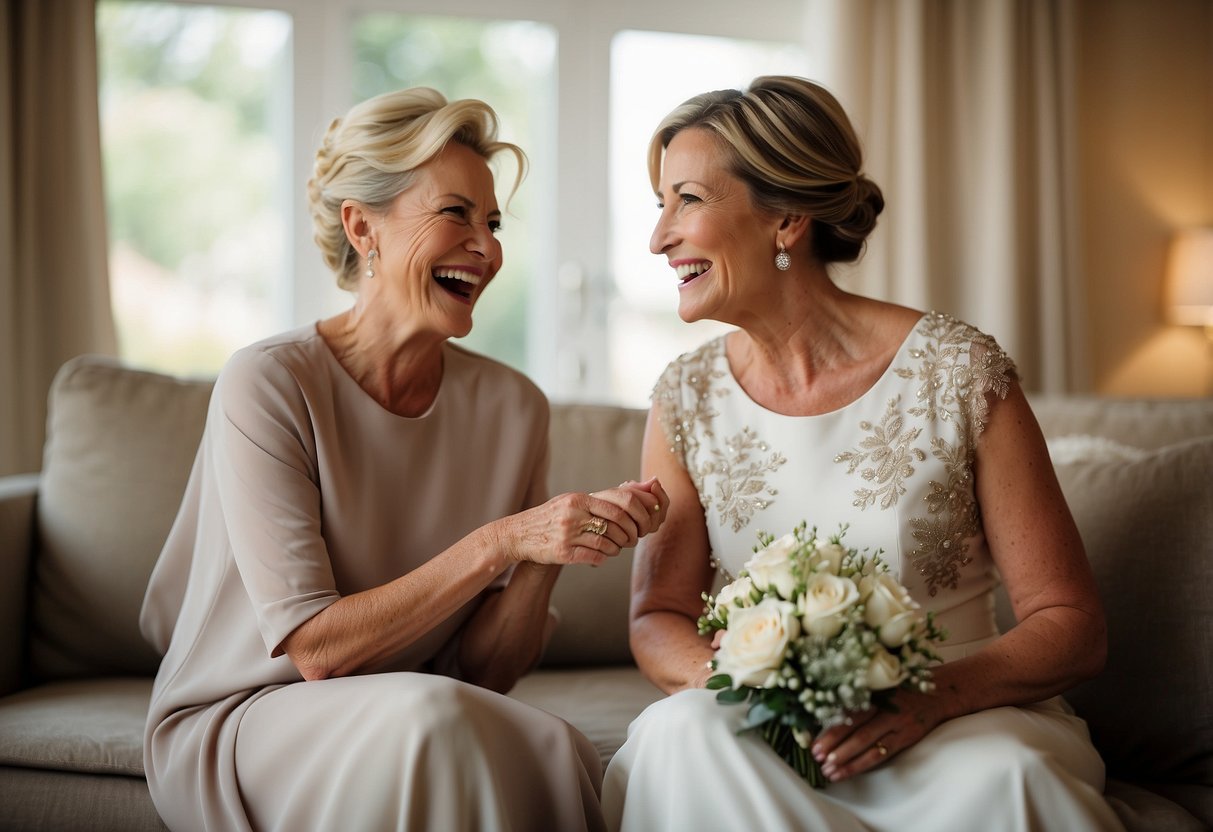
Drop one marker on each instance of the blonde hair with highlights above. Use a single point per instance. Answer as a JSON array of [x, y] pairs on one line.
[[371, 154], [791, 143]]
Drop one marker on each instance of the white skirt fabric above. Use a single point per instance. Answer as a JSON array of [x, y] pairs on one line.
[[411, 751], [685, 767]]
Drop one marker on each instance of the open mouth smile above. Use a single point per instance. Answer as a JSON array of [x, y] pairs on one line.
[[688, 270], [458, 281]]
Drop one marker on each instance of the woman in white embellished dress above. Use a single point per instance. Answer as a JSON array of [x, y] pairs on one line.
[[834, 408]]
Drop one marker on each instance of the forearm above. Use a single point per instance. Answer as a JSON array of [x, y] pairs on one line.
[[505, 638], [362, 630], [1043, 656], [670, 652]]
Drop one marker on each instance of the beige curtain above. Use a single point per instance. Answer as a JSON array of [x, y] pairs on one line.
[[966, 112], [54, 286]]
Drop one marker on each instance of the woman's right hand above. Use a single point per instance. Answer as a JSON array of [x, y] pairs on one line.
[[585, 528]]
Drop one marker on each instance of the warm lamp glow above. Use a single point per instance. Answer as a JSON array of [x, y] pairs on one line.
[[1190, 278]]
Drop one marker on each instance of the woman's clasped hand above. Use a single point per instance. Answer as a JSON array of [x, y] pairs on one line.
[[585, 528]]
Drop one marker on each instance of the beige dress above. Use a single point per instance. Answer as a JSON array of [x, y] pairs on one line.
[[305, 489], [897, 466]]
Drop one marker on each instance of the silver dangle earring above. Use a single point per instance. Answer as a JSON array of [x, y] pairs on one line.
[[783, 260], [370, 263]]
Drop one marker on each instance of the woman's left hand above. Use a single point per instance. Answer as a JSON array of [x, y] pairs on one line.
[[877, 734]]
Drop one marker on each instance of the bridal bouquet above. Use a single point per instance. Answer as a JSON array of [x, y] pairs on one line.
[[813, 630]]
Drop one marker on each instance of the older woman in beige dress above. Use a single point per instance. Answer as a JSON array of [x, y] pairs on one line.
[[366, 549]]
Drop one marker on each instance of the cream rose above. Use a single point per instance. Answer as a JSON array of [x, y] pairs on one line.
[[738, 593], [771, 568], [828, 556], [883, 598], [901, 628], [825, 599], [889, 609], [754, 645], [885, 671]]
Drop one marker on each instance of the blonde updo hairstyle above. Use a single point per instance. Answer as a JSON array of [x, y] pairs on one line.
[[791, 143], [371, 155]]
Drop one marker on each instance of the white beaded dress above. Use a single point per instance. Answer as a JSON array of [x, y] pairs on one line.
[[304, 490], [896, 465]]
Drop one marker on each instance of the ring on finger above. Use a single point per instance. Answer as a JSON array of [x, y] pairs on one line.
[[881, 748], [596, 525]]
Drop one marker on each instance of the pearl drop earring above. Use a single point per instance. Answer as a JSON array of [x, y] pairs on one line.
[[370, 262]]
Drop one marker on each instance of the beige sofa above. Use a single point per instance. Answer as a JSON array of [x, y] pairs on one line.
[[78, 540]]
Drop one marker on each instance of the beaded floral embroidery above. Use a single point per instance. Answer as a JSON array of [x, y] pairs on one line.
[[956, 370], [737, 472]]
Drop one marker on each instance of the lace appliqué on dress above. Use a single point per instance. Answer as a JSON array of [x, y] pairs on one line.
[[731, 478], [889, 450], [958, 367], [741, 485]]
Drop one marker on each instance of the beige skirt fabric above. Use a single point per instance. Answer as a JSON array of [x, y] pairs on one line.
[[684, 767], [403, 751]]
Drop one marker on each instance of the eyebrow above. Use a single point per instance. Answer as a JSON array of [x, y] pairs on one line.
[[678, 186], [469, 203]]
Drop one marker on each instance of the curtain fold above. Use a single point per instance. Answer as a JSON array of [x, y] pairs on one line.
[[966, 112], [54, 282]]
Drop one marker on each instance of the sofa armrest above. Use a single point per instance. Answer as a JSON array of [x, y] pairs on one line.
[[17, 498]]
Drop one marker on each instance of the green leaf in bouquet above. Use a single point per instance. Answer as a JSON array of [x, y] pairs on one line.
[[759, 714], [720, 680], [730, 696]]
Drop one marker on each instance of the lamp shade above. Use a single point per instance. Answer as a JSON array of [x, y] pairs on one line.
[[1190, 278]]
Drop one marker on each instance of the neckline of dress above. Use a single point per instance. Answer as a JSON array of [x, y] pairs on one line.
[[344, 374], [731, 379]]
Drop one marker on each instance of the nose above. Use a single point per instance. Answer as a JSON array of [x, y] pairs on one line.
[[663, 236], [482, 242]]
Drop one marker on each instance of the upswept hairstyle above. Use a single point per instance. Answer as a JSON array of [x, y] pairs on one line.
[[791, 143], [371, 154]]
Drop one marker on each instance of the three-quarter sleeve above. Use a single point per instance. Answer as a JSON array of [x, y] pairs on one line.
[[264, 459]]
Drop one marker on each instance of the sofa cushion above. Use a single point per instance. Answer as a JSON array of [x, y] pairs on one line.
[[1147, 525], [601, 702], [91, 726], [120, 445], [41, 799]]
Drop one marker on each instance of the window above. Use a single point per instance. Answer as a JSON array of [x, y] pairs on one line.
[[211, 116], [195, 146]]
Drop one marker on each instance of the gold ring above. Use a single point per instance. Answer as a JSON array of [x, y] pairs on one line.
[[879, 746], [596, 526]]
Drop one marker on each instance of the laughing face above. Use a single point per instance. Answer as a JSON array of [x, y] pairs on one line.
[[718, 243], [436, 244]]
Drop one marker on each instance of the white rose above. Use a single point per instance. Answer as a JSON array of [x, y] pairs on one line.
[[754, 645], [829, 557], [883, 598], [824, 601], [738, 593], [771, 568], [885, 671], [901, 628]]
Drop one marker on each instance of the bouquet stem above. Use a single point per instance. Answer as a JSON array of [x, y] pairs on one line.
[[780, 738]]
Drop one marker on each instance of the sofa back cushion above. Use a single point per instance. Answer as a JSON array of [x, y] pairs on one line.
[[1148, 529], [120, 446], [1147, 525], [593, 447]]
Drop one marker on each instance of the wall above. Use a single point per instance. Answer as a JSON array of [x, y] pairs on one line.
[[1145, 97]]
